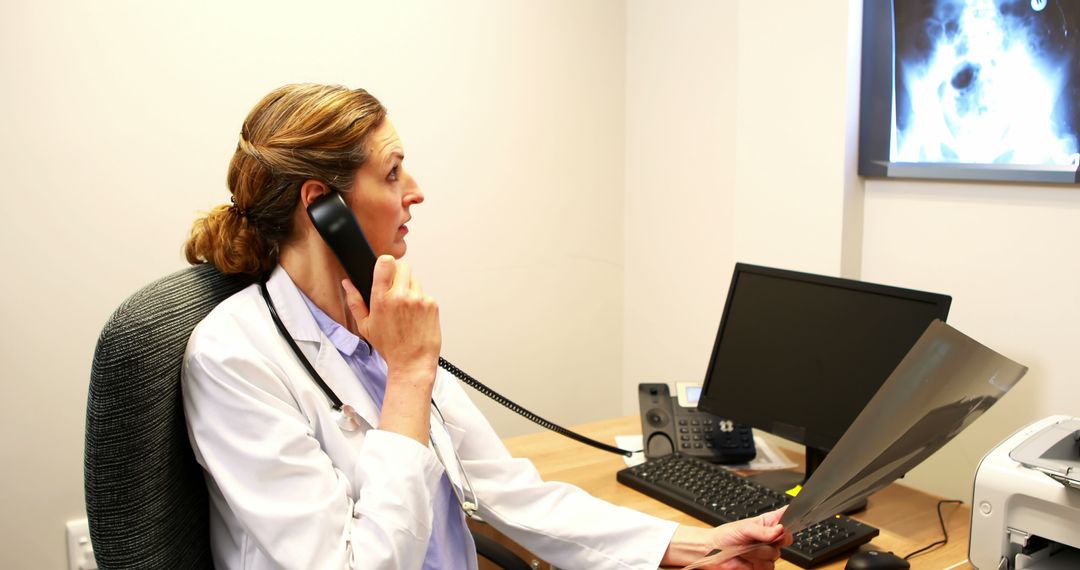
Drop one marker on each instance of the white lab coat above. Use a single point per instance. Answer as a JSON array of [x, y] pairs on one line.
[[290, 489]]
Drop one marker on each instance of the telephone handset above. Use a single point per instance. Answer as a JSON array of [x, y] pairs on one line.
[[338, 227], [673, 424]]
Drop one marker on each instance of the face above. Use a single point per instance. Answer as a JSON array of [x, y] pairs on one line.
[[383, 192]]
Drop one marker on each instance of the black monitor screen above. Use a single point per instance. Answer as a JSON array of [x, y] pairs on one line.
[[800, 355]]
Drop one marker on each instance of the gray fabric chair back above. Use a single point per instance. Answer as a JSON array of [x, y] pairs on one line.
[[146, 499]]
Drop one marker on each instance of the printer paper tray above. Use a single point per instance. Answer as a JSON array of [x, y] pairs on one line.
[[1055, 451], [1066, 559]]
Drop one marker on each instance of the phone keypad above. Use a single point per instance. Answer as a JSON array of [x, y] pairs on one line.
[[706, 433]]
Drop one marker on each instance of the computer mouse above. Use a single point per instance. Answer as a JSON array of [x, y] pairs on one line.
[[875, 560]]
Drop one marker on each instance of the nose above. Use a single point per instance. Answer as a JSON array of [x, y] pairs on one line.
[[414, 195]]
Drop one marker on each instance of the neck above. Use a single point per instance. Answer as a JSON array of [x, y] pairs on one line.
[[317, 273]]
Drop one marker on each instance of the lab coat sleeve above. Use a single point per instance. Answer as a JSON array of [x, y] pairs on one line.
[[298, 510], [559, 522]]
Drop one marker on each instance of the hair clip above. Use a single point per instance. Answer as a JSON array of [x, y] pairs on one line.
[[237, 210]]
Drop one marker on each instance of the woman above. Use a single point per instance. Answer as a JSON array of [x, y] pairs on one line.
[[293, 485]]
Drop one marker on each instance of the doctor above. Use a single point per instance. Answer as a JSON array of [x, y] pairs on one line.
[[294, 484]]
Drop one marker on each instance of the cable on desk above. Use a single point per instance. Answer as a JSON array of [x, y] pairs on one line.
[[944, 532]]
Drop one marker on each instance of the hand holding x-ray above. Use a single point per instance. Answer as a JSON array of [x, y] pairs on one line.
[[755, 542]]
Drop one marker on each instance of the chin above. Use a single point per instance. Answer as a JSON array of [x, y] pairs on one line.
[[398, 250]]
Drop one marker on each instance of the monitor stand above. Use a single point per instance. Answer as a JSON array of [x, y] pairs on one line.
[[784, 480]]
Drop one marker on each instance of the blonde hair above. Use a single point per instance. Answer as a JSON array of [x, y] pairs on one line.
[[296, 133]]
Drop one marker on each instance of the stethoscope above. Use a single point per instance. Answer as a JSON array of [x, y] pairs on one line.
[[348, 419]]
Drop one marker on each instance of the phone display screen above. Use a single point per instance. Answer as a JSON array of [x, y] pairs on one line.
[[693, 393], [688, 393]]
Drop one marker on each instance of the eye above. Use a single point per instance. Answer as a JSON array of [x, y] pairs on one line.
[[393, 176]]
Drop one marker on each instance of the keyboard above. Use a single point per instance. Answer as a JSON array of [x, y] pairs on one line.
[[716, 496]]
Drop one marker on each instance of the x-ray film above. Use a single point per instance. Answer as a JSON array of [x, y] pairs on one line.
[[945, 382], [720, 555]]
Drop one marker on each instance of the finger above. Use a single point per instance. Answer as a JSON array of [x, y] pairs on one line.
[[728, 564], [355, 301], [753, 531], [785, 540], [763, 552], [402, 277], [385, 270], [737, 564], [771, 518]]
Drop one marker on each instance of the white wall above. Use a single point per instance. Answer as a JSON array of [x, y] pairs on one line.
[[736, 151], [120, 119], [792, 173], [680, 176]]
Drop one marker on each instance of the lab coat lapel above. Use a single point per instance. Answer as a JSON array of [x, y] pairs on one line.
[[324, 357]]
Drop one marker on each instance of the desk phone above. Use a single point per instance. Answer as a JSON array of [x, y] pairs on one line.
[[672, 424]]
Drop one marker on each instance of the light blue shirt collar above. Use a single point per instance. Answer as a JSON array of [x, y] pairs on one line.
[[342, 338]]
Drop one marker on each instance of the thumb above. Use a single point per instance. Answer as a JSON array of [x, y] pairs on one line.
[[759, 532], [383, 279], [771, 518], [755, 530]]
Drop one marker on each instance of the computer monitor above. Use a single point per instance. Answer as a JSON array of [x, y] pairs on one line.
[[799, 355]]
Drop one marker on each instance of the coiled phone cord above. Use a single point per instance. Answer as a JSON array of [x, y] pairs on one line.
[[510, 405], [460, 374]]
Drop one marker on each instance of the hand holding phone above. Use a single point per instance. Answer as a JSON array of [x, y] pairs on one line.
[[391, 312], [403, 325], [402, 322]]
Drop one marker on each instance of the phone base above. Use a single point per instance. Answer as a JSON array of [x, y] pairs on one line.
[[667, 427]]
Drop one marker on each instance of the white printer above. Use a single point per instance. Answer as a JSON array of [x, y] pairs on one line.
[[1025, 511]]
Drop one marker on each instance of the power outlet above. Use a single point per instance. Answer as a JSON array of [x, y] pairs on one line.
[[80, 551]]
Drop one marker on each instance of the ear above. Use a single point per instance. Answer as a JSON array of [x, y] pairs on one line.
[[310, 190]]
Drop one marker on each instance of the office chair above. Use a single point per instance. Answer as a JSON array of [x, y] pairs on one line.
[[146, 499]]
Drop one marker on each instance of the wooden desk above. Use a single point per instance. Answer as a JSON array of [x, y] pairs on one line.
[[907, 518]]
